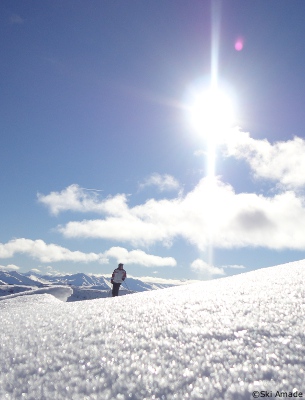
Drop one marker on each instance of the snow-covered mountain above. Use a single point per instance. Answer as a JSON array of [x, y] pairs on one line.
[[235, 338], [102, 283], [85, 287], [79, 280], [15, 278]]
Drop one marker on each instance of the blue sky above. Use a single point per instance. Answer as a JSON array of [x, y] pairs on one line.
[[94, 96]]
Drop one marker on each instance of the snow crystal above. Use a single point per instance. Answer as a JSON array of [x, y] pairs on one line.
[[221, 339]]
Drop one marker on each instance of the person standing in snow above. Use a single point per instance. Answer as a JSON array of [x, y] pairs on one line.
[[118, 277]]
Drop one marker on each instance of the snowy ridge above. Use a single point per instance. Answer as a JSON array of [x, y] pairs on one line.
[[6, 290], [79, 279], [81, 293], [60, 292], [222, 339], [15, 278]]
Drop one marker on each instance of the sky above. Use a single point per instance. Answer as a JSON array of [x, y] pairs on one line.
[[100, 160]]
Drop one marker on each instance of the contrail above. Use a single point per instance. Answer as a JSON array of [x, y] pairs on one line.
[[94, 190]]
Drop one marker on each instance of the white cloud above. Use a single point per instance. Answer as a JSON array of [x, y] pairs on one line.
[[139, 257], [46, 253], [75, 198], [35, 270], [211, 213], [162, 182], [38, 249], [9, 267], [282, 162], [206, 271]]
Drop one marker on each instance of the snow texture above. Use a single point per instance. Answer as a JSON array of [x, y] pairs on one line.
[[221, 339]]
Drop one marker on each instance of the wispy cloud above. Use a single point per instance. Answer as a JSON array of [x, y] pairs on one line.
[[16, 19], [47, 253], [234, 266], [162, 182]]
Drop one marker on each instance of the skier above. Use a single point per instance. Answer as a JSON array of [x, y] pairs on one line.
[[118, 277]]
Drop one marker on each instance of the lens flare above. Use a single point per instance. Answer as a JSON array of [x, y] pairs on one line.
[[239, 44]]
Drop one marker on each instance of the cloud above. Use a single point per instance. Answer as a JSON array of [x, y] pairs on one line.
[[205, 270], [16, 19], [211, 213], [234, 266], [38, 249], [75, 198], [139, 257], [46, 253], [281, 162], [162, 182], [35, 270], [9, 267]]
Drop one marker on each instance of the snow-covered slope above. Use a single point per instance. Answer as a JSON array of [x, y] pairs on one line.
[[82, 293], [222, 339], [6, 290]]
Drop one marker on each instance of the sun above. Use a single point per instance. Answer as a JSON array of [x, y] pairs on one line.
[[211, 113]]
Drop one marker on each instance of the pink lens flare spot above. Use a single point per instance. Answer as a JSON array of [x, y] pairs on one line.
[[239, 44]]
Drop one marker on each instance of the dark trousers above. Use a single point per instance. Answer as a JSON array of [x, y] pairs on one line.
[[115, 289]]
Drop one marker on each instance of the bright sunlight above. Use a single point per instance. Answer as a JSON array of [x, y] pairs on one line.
[[212, 114]]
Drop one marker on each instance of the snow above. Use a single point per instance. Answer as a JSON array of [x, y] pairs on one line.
[[60, 292], [14, 278], [83, 293], [221, 339], [80, 279], [6, 290]]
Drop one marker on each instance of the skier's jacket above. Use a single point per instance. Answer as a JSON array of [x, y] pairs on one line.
[[118, 275]]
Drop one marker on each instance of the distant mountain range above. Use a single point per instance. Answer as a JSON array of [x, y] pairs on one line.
[[84, 286]]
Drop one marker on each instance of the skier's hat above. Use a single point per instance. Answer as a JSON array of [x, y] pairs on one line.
[[121, 265]]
